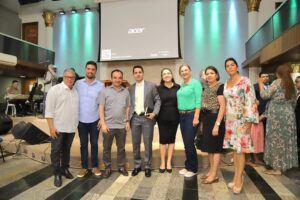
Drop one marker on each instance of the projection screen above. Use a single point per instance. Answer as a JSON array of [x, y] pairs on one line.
[[139, 29]]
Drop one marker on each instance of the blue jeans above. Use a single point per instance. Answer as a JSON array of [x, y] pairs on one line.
[[188, 132], [86, 129]]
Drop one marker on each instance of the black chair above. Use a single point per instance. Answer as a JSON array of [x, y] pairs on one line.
[[1, 149]]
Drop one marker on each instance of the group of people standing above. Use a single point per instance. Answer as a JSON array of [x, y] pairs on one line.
[[224, 112]]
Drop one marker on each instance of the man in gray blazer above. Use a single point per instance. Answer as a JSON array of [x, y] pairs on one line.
[[145, 105]]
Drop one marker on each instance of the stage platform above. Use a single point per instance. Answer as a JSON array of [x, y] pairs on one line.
[[41, 152]]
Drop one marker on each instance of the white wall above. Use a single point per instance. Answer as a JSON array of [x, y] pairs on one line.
[[6, 25], [266, 10], [37, 17]]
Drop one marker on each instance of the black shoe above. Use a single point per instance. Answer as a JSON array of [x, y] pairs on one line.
[[67, 174], [123, 171], [147, 172], [136, 171], [57, 180], [162, 170], [106, 173], [169, 170]]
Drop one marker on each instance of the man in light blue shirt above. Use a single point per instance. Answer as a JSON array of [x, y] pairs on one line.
[[89, 123]]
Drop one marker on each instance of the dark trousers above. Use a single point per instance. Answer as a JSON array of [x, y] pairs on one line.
[[188, 132], [108, 138], [60, 151], [85, 130], [44, 103], [141, 125]]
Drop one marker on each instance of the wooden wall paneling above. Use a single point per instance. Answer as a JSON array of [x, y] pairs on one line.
[[30, 32]]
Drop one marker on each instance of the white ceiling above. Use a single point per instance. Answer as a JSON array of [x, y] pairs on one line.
[[50, 5]]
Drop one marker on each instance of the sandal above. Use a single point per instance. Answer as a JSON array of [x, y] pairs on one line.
[[204, 177], [205, 181], [273, 172]]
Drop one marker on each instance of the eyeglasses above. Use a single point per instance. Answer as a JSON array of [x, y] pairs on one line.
[[69, 77]]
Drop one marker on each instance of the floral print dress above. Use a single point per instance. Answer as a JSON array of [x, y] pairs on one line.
[[240, 110], [281, 135]]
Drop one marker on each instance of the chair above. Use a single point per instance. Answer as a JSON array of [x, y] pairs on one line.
[[1, 149], [12, 107]]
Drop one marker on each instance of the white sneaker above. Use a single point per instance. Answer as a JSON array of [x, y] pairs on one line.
[[189, 174], [183, 171]]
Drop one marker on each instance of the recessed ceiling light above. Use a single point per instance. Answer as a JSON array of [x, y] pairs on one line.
[[22, 76], [73, 11], [87, 9], [62, 12]]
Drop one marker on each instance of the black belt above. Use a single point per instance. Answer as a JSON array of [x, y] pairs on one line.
[[141, 114], [215, 111], [186, 111]]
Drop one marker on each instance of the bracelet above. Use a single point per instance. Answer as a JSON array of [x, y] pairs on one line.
[[217, 123], [127, 121]]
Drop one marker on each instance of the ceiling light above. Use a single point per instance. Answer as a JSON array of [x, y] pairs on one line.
[[87, 9], [62, 12], [73, 11]]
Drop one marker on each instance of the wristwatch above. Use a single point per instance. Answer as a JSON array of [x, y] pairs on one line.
[[218, 123]]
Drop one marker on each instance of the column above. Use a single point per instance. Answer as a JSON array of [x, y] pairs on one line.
[[49, 20], [182, 6], [253, 7]]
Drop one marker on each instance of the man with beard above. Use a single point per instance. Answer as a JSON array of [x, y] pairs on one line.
[[89, 90], [144, 106]]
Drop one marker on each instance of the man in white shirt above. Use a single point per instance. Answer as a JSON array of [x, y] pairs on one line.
[[62, 109]]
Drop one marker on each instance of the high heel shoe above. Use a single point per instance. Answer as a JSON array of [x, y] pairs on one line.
[[169, 170], [237, 190], [162, 170], [230, 185]]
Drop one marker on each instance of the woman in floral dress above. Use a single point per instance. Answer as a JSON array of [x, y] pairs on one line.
[[241, 111], [281, 135]]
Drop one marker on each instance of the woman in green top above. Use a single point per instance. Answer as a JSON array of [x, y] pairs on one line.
[[189, 102]]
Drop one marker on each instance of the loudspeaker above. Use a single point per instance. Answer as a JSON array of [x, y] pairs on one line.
[[30, 133], [5, 123]]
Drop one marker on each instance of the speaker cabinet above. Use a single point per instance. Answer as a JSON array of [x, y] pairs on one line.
[[5, 123], [30, 133]]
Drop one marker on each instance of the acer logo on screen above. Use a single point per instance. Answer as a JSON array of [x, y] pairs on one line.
[[136, 30]]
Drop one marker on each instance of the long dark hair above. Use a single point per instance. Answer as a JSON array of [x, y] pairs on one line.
[[230, 59], [284, 73], [161, 75]]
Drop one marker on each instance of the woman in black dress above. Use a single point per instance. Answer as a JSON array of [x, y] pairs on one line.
[[212, 114], [168, 118]]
